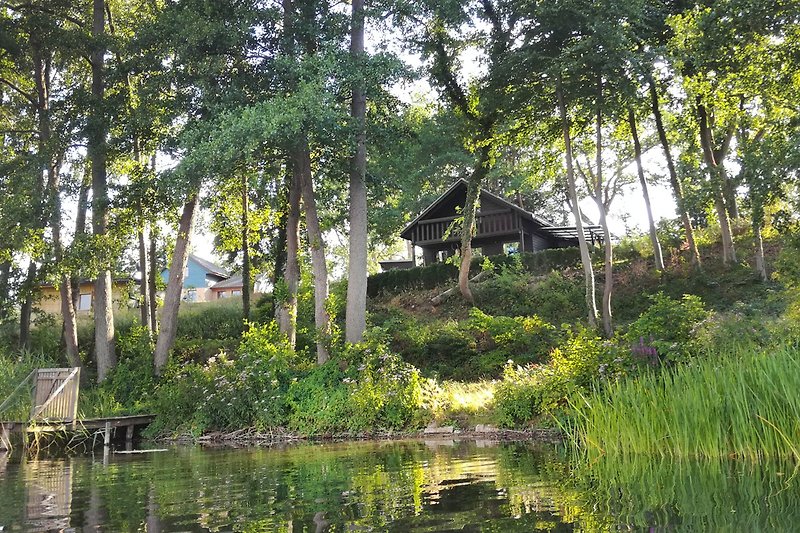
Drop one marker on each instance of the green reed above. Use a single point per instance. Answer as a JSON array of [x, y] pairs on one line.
[[745, 406]]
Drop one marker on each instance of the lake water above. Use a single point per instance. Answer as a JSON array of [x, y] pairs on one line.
[[389, 486]]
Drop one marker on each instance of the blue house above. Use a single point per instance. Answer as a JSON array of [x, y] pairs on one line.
[[198, 278]]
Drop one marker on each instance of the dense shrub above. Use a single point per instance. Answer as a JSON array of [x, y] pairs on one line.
[[556, 297], [668, 326], [529, 391], [128, 387], [525, 339], [245, 390], [473, 349], [437, 274]]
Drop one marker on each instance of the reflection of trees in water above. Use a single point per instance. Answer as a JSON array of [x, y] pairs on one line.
[[392, 486]]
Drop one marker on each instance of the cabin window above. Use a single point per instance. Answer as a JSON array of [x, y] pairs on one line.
[[191, 295], [85, 302], [223, 294], [236, 292]]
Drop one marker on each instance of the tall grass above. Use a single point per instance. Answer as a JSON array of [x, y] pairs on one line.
[[746, 407]]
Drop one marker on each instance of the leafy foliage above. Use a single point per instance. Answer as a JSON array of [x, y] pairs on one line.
[[668, 325]]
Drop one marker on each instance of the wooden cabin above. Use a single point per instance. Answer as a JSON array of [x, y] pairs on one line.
[[498, 222]]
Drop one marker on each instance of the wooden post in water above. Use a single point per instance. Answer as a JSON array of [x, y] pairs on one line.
[[107, 435], [129, 438]]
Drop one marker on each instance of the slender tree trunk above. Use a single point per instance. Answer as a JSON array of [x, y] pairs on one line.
[[80, 232], [608, 265], [637, 150], [5, 300], [278, 247], [287, 310], [103, 296], [172, 298], [153, 281], [317, 246], [761, 266], [356, 314], [586, 259], [144, 282], [246, 281], [474, 184], [729, 193], [716, 173], [677, 188], [29, 286], [26, 310]]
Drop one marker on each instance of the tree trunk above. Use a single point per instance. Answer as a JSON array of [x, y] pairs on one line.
[[144, 282], [153, 281], [5, 300], [716, 173], [608, 265], [103, 304], [356, 313], [172, 298], [287, 308], [80, 231], [729, 193], [41, 104], [317, 246], [761, 266], [586, 259], [677, 188], [637, 151], [26, 310], [246, 282], [474, 184]]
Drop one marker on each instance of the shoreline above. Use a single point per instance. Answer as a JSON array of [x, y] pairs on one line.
[[252, 437]]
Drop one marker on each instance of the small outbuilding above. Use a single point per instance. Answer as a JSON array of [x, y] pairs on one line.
[[498, 222]]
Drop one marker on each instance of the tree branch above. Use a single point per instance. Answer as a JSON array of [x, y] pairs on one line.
[[28, 96]]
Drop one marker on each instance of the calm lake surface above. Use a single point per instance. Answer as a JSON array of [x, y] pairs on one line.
[[394, 486]]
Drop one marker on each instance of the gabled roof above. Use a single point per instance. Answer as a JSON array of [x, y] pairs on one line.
[[462, 183], [557, 232], [233, 282], [210, 267]]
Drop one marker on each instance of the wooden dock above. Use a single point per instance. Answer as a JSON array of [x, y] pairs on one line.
[[89, 426]]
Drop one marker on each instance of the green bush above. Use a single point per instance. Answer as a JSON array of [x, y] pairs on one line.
[[469, 350], [385, 391], [525, 339], [128, 387], [431, 276], [365, 387], [668, 325], [527, 392], [246, 390], [556, 296]]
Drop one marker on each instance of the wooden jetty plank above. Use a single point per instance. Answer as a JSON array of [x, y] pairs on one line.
[[47, 426]]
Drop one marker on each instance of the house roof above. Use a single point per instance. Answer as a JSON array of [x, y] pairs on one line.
[[561, 232], [210, 267], [233, 282]]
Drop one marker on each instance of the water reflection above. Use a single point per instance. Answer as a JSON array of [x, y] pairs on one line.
[[405, 486]]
